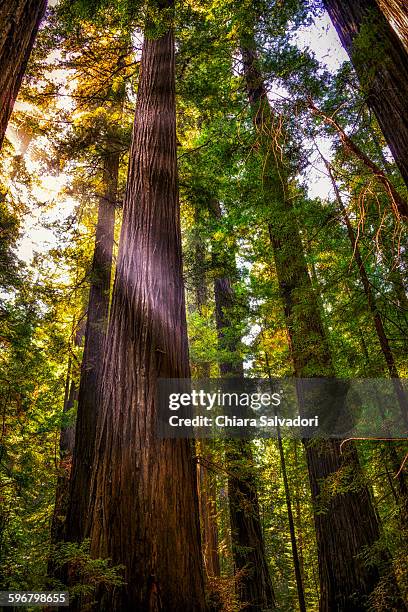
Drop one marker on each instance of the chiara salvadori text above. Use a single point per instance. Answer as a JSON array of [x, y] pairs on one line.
[[223, 420]]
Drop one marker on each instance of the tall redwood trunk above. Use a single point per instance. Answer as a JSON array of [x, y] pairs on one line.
[[346, 523], [66, 449], [254, 585], [97, 318], [145, 510], [19, 23], [381, 63]]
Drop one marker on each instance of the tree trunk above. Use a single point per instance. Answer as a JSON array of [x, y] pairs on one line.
[[97, 318], [296, 558], [145, 509], [377, 318], [254, 585], [383, 341], [398, 204], [396, 12], [208, 512], [207, 493], [66, 449], [19, 23], [381, 62], [346, 523]]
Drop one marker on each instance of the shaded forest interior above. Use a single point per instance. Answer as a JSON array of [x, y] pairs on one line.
[[204, 189]]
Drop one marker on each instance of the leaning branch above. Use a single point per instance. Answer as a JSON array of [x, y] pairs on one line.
[[398, 203]]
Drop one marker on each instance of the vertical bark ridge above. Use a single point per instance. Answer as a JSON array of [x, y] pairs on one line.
[[381, 62], [97, 318], [145, 511]]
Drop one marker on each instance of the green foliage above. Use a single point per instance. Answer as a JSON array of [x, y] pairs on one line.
[[87, 574], [225, 168]]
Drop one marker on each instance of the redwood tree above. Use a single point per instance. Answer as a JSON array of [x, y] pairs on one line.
[[145, 514], [381, 63], [396, 12], [254, 584], [97, 317], [19, 23], [345, 523]]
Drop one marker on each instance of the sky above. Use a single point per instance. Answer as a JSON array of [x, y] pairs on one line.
[[320, 37]]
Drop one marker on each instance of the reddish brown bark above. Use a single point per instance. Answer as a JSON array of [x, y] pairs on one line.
[[145, 513], [19, 23], [396, 12], [97, 318], [381, 63]]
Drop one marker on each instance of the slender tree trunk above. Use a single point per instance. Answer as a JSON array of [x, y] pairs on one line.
[[19, 23], [296, 560], [299, 527], [254, 583], [97, 318], [145, 509], [208, 512], [396, 11], [372, 304], [207, 493], [382, 339], [347, 522], [381, 63], [66, 450], [398, 204]]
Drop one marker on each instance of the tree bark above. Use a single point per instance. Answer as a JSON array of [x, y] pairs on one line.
[[145, 510], [66, 449], [19, 23], [347, 522], [208, 512], [254, 585], [97, 319], [381, 62], [396, 11]]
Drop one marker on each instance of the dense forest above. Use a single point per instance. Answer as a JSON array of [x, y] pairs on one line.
[[214, 189]]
